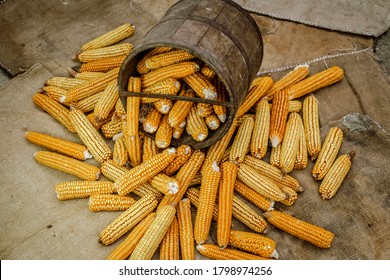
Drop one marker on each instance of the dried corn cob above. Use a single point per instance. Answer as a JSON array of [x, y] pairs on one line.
[[184, 177], [292, 195], [163, 105], [315, 82], [167, 58], [301, 158], [204, 110], [111, 128], [152, 121], [109, 38], [122, 49], [240, 146], [259, 141], [225, 202], [87, 76], [328, 153], [212, 121], [107, 101], [164, 134], [311, 126], [120, 110], [102, 65], [69, 165], [141, 67], [55, 93], [254, 243], [254, 94], [261, 184], [290, 144], [169, 247], [109, 202], [177, 71], [220, 111], [183, 154], [294, 106], [214, 252], [97, 124], [149, 149], [297, 74], [186, 231], [196, 180], [164, 184], [120, 153], [201, 86], [207, 197], [303, 230], [254, 197], [144, 172], [207, 72], [82, 189], [59, 145], [154, 234], [177, 131], [124, 250], [54, 109], [168, 86], [128, 219], [63, 82], [335, 176], [196, 126], [88, 104], [180, 109], [90, 136], [91, 87], [275, 156], [193, 196], [278, 119]]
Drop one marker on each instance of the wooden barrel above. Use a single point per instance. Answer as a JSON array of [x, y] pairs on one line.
[[221, 34]]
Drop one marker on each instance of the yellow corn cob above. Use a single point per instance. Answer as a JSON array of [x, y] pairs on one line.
[[254, 197], [297, 74], [82, 189], [107, 101], [183, 154], [146, 189], [207, 197], [294, 106], [328, 153], [141, 67], [69, 165], [253, 243], [180, 109], [152, 121], [167, 58], [144, 172], [168, 86], [88, 104], [335, 177], [111, 37], [241, 142], [54, 109], [196, 180], [169, 247], [315, 82], [212, 121], [261, 184], [254, 94], [301, 158], [90, 136], [124, 250], [220, 111], [201, 86], [184, 177], [109, 202], [55, 93], [97, 124], [154, 234], [177, 131], [225, 203], [87, 76], [128, 219], [149, 149], [120, 153], [164, 134], [120, 110], [186, 231], [243, 117], [207, 72], [226, 154], [214, 252], [122, 49], [313, 234], [279, 113], [260, 135], [59, 145], [204, 110], [177, 71], [163, 105], [111, 128], [193, 195], [91, 87], [102, 65], [311, 124], [273, 173], [275, 156], [196, 126], [64, 83], [290, 144], [292, 195], [165, 184]]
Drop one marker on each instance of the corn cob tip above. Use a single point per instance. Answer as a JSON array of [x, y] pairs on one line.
[[173, 187], [351, 154], [116, 136], [199, 247], [271, 205], [267, 214], [184, 199], [275, 141], [76, 68], [314, 157], [209, 94], [274, 254], [72, 72], [301, 66], [299, 189], [87, 155], [63, 100], [215, 166], [187, 150], [202, 136], [222, 117], [150, 128], [171, 151]]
